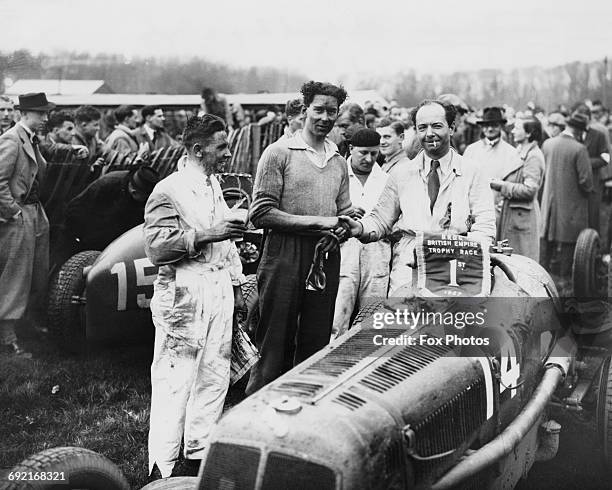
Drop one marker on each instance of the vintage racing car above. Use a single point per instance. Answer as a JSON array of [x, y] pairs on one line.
[[396, 403], [101, 297]]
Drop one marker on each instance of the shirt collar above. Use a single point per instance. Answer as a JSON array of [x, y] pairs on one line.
[[194, 171], [329, 146], [376, 170], [492, 143], [150, 131], [526, 149], [448, 163], [299, 143]]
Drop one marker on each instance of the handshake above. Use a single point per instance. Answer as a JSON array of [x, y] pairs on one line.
[[340, 229]]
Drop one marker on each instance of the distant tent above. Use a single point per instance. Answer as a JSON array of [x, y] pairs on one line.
[[59, 87]]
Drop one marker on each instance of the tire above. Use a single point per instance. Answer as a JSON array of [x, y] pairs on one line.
[[66, 322], [81, 468], [609, 278], [175, 483], [587, 266], [604, 414], [251, 301]]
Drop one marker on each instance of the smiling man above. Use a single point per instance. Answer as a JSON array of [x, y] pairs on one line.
[[301, 188], [439, 191], [391, 143], [188, 231]]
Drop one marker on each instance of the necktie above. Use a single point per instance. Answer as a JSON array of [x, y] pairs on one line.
[[35, 145], [154, 139], [433, 183]]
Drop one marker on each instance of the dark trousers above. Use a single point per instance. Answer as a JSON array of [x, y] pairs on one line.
[[557, 258], [294, 323]]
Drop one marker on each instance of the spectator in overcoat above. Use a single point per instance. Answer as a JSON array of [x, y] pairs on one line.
[[568, 181], [24, 228], [519, 220]]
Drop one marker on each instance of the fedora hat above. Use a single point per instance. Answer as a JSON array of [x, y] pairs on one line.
[[34, 102], [578, 120], [492, 115], [144, 179]]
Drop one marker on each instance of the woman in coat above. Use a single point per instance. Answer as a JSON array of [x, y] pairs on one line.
[[519, 218]]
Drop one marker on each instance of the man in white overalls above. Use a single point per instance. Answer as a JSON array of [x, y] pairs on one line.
[[188, 231]]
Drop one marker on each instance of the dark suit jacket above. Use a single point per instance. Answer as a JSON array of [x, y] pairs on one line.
[[18, 169], [103, 211], [163, 139]]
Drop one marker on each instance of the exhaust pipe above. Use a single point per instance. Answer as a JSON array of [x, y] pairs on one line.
[[556, 367]]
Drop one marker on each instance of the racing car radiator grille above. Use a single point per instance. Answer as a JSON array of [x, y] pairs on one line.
[[230, 466], [350, 401], [298, 388], [448, 427], [284, 471], [349, 353], [401, 365]]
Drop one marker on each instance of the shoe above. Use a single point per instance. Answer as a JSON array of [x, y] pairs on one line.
[[15, 349]]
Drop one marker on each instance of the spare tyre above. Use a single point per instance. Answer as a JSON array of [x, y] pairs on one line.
[[604, 414], [68, 467], [588, 270], [66, 301]]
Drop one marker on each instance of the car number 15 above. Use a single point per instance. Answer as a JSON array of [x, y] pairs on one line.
[[145, 274]]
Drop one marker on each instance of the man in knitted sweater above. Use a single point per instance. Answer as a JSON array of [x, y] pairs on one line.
[[301, 188]]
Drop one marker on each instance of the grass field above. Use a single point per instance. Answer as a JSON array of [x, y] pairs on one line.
[[100, 402]]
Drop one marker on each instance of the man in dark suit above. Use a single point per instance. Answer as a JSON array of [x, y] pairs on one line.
[[24, 228], [109, 206], [152, 131]]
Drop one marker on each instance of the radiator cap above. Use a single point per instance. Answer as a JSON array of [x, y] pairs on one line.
[[286, 404]]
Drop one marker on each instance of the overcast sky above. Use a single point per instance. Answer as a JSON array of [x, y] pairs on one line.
[[327, 39]]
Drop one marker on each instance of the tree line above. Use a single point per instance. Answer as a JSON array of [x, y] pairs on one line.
[[147, 75], [547, 87]]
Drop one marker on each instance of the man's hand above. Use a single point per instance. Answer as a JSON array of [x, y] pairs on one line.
[[98, 163], [356, 212], [232, 228], [80, 152], [496, 184], [355, 227], [328, 223]]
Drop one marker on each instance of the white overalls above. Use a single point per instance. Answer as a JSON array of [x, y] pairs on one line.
[[192, 309]]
